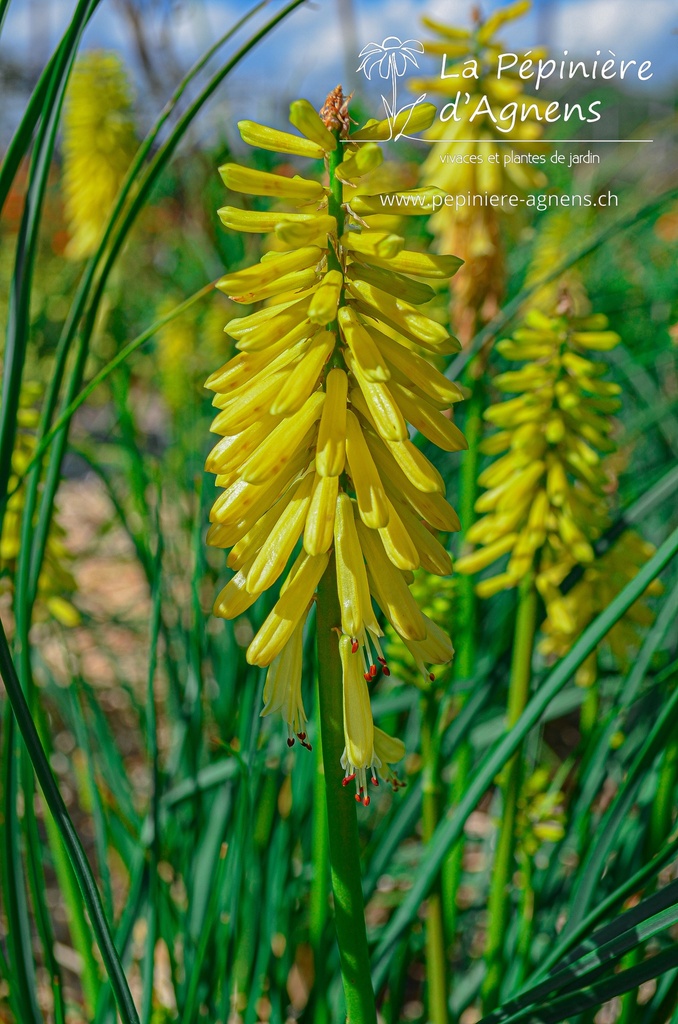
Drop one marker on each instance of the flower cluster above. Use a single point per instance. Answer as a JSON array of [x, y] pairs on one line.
[[462, 168], [55, 583], [544, 502], [315, 457], [99, 143]]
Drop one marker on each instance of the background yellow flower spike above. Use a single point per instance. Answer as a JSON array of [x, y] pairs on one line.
[[314, 411], [99, 143]]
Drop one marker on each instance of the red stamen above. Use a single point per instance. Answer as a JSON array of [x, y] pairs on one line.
[[432, 677], [367, 676], [290, 741], [386, 670], [375, 780], [354, 645], [366, 801], [373, 671]]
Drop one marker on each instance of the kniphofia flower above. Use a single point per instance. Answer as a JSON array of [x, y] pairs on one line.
[[99, 143], [315, 455]]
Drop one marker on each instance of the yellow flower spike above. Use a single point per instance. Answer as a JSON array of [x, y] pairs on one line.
[[358, 757], [279, 142], [331, 448], [370, 494], [392, 592], [282, 443], [397, 542], [368, 359], [299, 385], [282, 689], [351, 573], [288, 609], [304, 403], [365, 159], [319, 530], [306, 120], [281, 539], [99, 143], [262, 183], [323, 306]]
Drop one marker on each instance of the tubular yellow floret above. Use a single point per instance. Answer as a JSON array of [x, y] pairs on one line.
[[331, 449], [351, 573]]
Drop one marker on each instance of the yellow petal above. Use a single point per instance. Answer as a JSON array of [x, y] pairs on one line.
[[383, 410], [370, 494], [278, 142], [261, 183], [398, 543], [351, 573], [281, 539], [306, 120], [367, 356], [390, 589], [289, 608], [331, 452], [282, 443], [358, 724], [323, 306], [319, 529], [298, 385]]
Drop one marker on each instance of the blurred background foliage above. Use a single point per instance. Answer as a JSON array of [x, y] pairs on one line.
[[206, 835]]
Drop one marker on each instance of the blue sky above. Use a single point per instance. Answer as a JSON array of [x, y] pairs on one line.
[[318, 45]]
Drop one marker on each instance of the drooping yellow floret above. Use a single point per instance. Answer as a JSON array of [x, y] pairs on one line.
[[99, 143], [313, 416]]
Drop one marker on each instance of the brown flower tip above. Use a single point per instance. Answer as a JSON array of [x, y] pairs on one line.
[[334, 111]]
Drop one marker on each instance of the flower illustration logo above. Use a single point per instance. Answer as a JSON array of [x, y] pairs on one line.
[[391, 58]]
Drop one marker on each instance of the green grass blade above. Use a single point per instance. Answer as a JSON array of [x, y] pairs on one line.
[[590, 872], [69, 835], [14, 893], [449, 830]]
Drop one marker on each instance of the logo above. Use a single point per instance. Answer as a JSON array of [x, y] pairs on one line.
[[391, 58]]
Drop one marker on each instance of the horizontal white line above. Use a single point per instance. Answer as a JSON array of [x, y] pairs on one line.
[[497, 142]]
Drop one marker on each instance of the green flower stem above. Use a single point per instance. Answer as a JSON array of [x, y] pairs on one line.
[[319, 904], [499, 902], [344, 850], [436, 966], [465, 659]]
